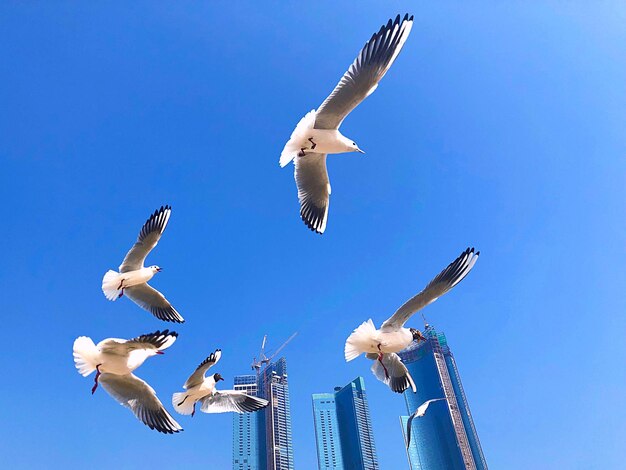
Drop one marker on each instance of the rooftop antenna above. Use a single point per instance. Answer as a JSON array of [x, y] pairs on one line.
[[424, 318], [263, 359]]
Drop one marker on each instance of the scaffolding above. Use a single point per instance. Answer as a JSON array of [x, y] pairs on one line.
[[455, 415]]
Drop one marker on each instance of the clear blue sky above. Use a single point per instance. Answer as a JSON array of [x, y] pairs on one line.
[[502, 125]]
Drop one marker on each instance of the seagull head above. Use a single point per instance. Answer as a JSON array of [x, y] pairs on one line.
[[417, 334], [156, 269], [217, 377], [350, 145]]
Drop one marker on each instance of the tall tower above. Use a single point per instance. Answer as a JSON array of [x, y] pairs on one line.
[[343, 429], [445, 438], [262, 440], [275, 419], [246, 436]]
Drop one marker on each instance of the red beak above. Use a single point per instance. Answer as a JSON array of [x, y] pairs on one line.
[[160, 352]]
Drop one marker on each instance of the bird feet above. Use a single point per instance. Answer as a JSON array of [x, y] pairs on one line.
[[380, 359], [301, 152], [193, 411], [313, 144], [95, 386], [120, 294]]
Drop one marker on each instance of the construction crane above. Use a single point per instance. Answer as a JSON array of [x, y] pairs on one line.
[[263, 359]]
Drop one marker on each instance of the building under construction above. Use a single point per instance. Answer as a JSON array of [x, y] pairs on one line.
[[445, 437], [262, 440]]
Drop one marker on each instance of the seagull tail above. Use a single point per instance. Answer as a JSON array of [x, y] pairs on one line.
[[182, 403], [85, 355], [292, 147], [110, 281], [358, 341]]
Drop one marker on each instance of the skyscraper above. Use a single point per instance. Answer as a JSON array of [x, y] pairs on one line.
[[262, 440], [343, 429], [445, 438], [276, 418], [246, 429]]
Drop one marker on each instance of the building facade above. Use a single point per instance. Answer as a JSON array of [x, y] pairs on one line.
[[445, 438], [343, 429], [262, 440], [246, 436]]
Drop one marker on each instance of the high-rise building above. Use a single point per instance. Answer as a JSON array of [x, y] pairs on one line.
[[445, 438], [343, 429], [262, 440], [276, 418], [246, 429]]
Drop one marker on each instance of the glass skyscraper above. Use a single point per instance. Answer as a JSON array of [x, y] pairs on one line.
[[262, 440], [343, 429], [246, 429], [445, 437]]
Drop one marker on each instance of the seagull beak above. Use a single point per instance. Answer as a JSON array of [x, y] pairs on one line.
[[360, 151], [159, 270], [160, 352]]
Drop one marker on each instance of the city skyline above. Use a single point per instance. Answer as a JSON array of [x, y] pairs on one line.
[[500, 126]]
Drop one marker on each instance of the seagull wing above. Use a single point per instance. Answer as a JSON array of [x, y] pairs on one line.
[[366, 71], [421, 411], [313, 190], [136, 395], [408, 430], [445, 280], [198, 376], [148, 238], [399, 377], [154, 302], [224, 401], [159, 340]]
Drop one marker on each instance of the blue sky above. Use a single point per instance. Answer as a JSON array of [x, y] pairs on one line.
[[501, 126]]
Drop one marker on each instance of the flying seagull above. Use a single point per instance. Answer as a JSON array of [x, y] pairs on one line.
[[114, 360], [133, 278], [393, 337], [421, 411], [203, 389], [317, 134]]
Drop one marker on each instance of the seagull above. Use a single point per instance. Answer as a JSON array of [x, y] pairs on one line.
[[317, 134], [202, 389], [133, 278], [393, 337], [114, 360], [421, 411]]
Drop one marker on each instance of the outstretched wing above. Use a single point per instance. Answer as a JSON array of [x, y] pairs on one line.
[[445, 280], [154, 302], [397, 376], [366, 71], [136, 395], [224, 401], [159, 340], [198, 376], [148, 238], [313, 190]]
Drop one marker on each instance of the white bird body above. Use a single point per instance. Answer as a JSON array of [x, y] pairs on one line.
[[367, 339], [113, 281], [305, 138]]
